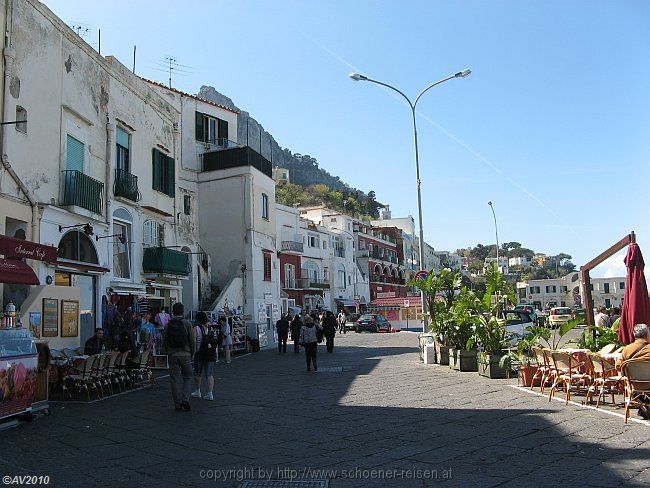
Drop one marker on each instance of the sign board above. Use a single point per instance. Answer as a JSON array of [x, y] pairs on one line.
[[386, 294], [69, 318], [421, 275], [50, 317], [407, 304], [268, 296]]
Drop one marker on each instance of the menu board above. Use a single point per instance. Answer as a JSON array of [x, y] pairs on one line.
[[69, 318], [50, 317]]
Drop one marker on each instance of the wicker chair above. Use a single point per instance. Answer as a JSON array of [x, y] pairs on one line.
[[83, 378], [543, 368], [604, 377], [636, 376], [608, 349], [121, 371], [565, 368], [111, 372], [142, 371]]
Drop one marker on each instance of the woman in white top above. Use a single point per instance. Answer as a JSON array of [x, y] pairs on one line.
[[226, 329]]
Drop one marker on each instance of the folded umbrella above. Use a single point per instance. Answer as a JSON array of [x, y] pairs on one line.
[[636, 303]]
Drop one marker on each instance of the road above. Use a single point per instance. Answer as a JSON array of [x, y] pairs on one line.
[[372, 416]]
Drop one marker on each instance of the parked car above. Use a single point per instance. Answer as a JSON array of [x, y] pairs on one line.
[[516, 324], [559, 316], [527, 308], [372, 323]]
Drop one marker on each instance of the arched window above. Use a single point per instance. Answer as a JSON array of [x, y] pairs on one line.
[[341, 274], [386, 272], [377, 269], [121, 247], [76, 246]]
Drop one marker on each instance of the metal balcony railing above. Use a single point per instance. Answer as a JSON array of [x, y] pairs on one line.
[[289, 283], [165, 261], [234, 157], [82, 190], [305, 283], [363, 253], [126, 185]]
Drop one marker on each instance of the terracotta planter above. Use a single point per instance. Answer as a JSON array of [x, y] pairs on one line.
[[463, 360], [526, 374], [442, 354], [488, 366]]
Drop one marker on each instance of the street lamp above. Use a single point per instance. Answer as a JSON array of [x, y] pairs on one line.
[[413, 105], [496, 231]]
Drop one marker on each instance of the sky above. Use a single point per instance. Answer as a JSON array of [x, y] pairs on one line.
[[552, 125]]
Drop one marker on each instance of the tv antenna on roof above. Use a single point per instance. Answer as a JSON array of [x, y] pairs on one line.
[[81, 29]]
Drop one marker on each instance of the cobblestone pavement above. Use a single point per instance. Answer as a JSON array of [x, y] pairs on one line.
[[372, 416]]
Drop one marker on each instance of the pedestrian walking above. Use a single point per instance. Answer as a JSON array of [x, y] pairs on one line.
[[181, 346], [226, 330], [309, 341], [282, 326], [296, 324], [341, 321], [205, 356], [329, 330]]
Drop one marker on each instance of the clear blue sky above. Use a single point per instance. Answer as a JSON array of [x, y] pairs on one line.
[[553, 124]]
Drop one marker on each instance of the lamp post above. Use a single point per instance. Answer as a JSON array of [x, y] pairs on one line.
[[496, 231], [413, 105]]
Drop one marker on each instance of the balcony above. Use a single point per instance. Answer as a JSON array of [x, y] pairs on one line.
[[363, 253], [292, 243], [82, 191], [165, 261], [235, 157], [126, 185], [289, 283], [305, 283], [339, 252]]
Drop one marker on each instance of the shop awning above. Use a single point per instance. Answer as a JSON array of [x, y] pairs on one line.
[[17, 273], [344, 302]]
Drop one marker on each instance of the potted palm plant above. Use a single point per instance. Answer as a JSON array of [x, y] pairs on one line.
[[490, 335], [461, 327]]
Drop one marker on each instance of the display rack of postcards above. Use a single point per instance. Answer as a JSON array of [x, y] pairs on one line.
[[160, 358], [238, 332]]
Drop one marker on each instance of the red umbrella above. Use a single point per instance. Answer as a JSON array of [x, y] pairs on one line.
[[636, 304]]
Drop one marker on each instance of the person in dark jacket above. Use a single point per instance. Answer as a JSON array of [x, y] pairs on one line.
[[309, 340], [95, 344], [282, 326], [329, 330], [296, 324]]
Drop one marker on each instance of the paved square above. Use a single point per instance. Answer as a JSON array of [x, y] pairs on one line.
[[384, 420]]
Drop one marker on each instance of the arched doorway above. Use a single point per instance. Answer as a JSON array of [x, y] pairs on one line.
[[77, 251]]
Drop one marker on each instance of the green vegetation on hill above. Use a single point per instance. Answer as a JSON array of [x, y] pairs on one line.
[[349, 201]]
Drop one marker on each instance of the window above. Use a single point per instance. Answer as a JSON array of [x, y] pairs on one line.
[[313, 241], [123, 145], [621, 285], [153, 234], [341, 272], [324, 245], [608, 303], [164, 179], [551, 289], [77, 246], [564, 289], [310, 271], [186, 204], [210, 129], [122, 250], [267, 266], [265, 206], [606, 287], [74, 155], [535, 290], [21, 118], [289, 276]]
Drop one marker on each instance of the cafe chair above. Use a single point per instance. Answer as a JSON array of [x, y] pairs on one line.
[[604, 376], [142, 372], [566, 373], [636, 377], [608, 349], [111, 370], [543, 372], [121, 371], [83, 379]]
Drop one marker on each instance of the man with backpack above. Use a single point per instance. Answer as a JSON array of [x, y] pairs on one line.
[[205, 357], [282, 327], [180, 342]]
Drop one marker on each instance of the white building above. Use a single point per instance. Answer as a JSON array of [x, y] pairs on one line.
[[98, 149], [503, 264], [519, 261]]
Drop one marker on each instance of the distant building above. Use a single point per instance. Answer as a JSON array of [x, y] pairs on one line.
[[280, 175], [519, 261]]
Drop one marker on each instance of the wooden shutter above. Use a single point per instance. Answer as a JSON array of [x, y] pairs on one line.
[[170, 176], [222, 129], [267, 266], [200, 135], [74, 154], [155, 163]]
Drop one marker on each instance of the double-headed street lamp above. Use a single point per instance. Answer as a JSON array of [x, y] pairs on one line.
[[413, 105]]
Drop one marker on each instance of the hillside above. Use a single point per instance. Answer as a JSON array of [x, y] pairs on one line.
[[304, 169]]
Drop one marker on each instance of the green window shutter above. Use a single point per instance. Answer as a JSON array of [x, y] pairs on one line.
[[222, 129], [200, 136], [156, 169], [170, 176], [122, 138], [74, 155]]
